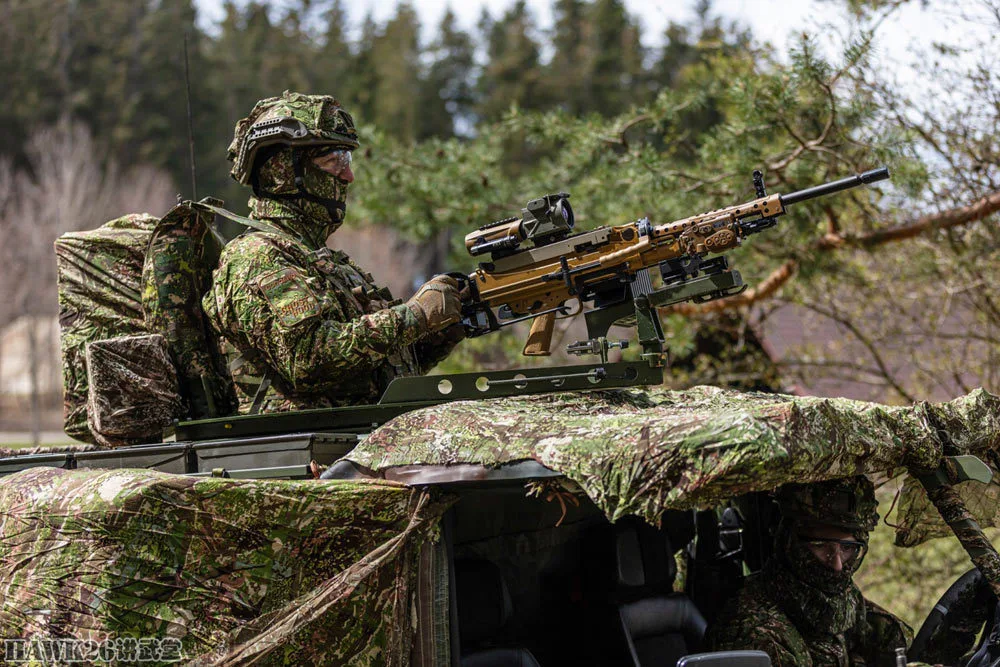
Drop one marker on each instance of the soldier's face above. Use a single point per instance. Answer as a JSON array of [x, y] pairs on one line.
[[835, 548], [336, 162]]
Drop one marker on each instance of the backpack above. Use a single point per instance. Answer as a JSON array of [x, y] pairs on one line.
[[129, 301]]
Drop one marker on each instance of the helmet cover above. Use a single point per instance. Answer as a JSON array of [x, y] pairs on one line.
[[847, 503], [293, 120]]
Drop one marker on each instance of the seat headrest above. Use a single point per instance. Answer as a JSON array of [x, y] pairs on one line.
[[483, 600], [644, 556]]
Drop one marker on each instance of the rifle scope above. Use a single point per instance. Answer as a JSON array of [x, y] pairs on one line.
[[872, 176]]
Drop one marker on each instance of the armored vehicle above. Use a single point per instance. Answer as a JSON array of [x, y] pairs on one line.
[[551, 516], [600, 527]]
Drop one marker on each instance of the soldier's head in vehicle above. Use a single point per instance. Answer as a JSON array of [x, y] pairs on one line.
[[296, 149], [823, 534]]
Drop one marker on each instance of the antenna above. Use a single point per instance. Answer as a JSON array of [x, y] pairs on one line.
[[187, 86]]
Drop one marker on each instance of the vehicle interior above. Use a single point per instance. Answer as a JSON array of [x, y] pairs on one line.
[[546, 579], [549, 580]]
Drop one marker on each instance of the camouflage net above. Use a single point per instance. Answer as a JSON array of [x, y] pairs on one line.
[[641, 453], [307, 572], [241, 572]]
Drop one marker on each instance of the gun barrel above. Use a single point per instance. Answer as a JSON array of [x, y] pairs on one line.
[[872, 176]]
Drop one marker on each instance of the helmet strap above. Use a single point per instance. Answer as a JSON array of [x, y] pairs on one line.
[[334, 208]]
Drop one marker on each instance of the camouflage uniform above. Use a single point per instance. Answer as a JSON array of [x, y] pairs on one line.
[[802, 613], [305, 321]]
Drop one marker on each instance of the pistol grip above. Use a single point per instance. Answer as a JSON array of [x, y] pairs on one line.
[[539, 341]]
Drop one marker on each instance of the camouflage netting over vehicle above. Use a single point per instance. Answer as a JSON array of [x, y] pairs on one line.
[[310, 572], [306, 572], [644, 452]]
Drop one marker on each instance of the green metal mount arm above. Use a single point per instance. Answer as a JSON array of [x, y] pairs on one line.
[[939, 485]]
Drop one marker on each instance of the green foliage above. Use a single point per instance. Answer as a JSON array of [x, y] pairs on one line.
[[908, 582], [119, 68]]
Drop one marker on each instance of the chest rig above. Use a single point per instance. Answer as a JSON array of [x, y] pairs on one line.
[[345, 292], [353, 291]]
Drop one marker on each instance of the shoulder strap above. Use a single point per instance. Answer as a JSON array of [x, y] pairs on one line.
[[259, 225]]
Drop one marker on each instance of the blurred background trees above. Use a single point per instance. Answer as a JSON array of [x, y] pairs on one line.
[[885, 293]]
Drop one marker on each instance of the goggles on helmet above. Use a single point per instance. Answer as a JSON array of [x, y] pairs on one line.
[[332, 159]]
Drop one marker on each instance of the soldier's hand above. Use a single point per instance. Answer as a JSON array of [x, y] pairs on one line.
[[437, 304]]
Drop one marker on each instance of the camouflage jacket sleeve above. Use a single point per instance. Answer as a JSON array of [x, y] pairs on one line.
[[263, 300], [777, 642], [434, 347], [881, 634]]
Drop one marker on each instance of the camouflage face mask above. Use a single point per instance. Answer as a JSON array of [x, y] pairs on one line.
[[815, 569], [277, 176]]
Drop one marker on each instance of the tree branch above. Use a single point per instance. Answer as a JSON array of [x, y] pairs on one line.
[[944, 220], [832, 241]]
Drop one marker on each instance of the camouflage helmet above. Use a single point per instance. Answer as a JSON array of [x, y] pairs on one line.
[[844, 503], [294, 120]]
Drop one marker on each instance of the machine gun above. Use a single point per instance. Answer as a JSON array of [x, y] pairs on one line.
[[609, 267]]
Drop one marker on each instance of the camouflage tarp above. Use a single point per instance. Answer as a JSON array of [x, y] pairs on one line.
[[311, 572], [641, 453]]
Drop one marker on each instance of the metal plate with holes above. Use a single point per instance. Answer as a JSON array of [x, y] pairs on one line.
[[497, 384], [412, 393]]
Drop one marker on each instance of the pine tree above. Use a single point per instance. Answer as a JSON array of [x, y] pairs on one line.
[[446, 92], [512, 75], [364, 77], [616, 58], [396, 60], [336, 76], [568, 75]]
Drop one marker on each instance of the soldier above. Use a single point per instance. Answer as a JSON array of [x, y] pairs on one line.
[[803, 608], [304, 326]]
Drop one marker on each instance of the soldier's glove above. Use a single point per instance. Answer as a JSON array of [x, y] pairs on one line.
[[437, 304]]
